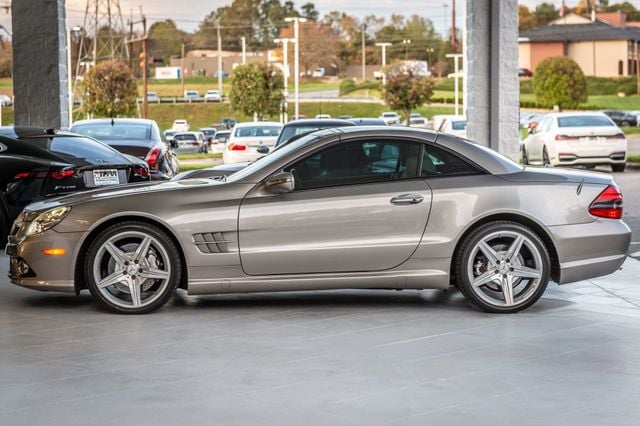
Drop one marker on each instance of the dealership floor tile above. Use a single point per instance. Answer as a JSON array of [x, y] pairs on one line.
[[317, 358]]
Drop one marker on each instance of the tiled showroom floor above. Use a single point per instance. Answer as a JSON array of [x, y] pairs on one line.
[[324, 358]]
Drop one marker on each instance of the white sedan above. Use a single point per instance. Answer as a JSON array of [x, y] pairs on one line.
[[391, 118], [212, 96], [455, 125], [250, 141], [190, 142], [571, 139]]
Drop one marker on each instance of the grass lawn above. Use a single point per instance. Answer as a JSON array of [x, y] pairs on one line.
[[633, 158], [199, 156], [187, 167]]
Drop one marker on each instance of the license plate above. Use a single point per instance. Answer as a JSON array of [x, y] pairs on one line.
[[596, 139], [106, 177]]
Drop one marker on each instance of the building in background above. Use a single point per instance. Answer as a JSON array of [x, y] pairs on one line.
[[205, 62], [604, 47]]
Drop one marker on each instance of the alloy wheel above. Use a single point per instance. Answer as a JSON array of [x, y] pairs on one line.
[[505, 268]]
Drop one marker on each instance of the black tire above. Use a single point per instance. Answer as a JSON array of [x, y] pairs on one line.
[[525, 156], [545, 157], [618, 168], [5, 227], [465, 250], [151, 230]]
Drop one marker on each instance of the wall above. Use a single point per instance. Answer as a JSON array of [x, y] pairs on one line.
[[606, 55], [542, 51], [524, 55]]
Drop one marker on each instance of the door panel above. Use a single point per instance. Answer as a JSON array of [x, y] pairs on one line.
[[338, 229]]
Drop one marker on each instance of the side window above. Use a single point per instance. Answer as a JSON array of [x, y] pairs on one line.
[[438, 162], [357, 162]]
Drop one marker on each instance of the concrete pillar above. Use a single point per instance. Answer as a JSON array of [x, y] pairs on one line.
[[39, 63], [492, 85]]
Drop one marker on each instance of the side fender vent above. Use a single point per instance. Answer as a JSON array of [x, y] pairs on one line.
[[214, 242]]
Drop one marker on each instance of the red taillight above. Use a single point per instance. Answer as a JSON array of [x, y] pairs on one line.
[[237, 147], [566, 138], [152, 157], [608, 204], [23, 175], [141, 171], [61, 174]]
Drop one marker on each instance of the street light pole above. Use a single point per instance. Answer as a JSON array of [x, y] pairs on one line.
[[285, 69], [219, 59], [244, 50], [296, 58], [384, 61], [70, 73], [406, 43]]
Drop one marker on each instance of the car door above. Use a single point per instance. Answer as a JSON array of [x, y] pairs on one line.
[[537, 140], [357, 206]]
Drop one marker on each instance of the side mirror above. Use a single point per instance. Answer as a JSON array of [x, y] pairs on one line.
[[532, 127], [280, 183], [262, 149]]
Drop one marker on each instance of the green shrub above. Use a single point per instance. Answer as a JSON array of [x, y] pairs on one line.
[[525, 86], [110, 90], [559, 81], [347, 86]]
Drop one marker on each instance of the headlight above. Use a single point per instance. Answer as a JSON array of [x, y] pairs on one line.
[[47, 220]]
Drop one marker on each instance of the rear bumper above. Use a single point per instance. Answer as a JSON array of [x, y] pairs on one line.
[[590, 250]]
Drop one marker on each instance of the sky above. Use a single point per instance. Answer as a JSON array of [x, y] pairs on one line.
[[188, 17]]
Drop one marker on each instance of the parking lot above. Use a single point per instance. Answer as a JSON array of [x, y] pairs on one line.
[[335, 357]]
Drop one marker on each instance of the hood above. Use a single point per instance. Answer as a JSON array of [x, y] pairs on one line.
[[131, 190], [552, 174]]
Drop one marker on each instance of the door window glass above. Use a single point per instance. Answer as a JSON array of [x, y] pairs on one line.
[[438, 162]]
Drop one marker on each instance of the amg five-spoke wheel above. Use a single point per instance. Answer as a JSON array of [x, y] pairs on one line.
[[503, 267], [132, 268]]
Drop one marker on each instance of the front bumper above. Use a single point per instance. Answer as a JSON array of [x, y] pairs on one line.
[[590, 250], [43, 272]]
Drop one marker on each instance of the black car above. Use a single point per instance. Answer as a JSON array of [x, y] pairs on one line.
[[227, 123], [291, 131], [523, 72], [138, 137], [38, 163], [622, 118], [368, 121]]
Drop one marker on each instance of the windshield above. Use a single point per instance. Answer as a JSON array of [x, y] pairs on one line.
[[257, 131], [584, 121], [275, 155], [119, 131], [389, 114], [458, 125], [79, 150], [185, 137]]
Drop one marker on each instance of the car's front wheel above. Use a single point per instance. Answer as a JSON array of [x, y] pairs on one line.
[[545, 157], [132, 268], [502, 267], [618, 168]]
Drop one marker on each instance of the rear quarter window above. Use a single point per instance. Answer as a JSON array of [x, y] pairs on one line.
[[79, 150]]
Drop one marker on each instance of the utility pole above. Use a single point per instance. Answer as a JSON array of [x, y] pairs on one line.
[[454, 39], [637, 68], [244, 50], [364, 52], [446, 18], [182, 69], [144, 61], [296, 59], [384, 61], [219, 59]]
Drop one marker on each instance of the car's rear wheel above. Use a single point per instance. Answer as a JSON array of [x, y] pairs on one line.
[[545, 157], [525, 157], [618, 167], [502, 267], [132, 268]]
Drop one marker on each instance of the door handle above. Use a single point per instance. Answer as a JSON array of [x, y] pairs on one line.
[[407, 199]]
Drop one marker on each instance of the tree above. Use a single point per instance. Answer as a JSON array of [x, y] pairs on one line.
[[310, 12], [406, 89], [319, 45], [526, 20], [165, 40], [545, 13], [110, 90], [559, 81], [256, 89]]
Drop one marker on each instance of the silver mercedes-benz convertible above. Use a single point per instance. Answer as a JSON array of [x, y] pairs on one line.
[[365, 208]]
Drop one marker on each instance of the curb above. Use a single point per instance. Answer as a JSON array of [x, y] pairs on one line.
[[634, 166]]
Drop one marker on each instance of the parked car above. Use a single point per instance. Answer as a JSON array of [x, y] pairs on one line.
[[302, 127], [571, 139], [249, 141], [36, 164], [390, 118], [438, 120], [222, 74], [526, 118], [523, 72], [153, 97], [5, 100], [227, 123], [419, 122], [322, 116], [180, 125], [622, 118], [190, 143], [222, 136], [318, 72], [348, 208], [368, 121], [212, 96], [456, 125], [345, 117], [191, 95], [133, 136], [209, 133], [168, 135]]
